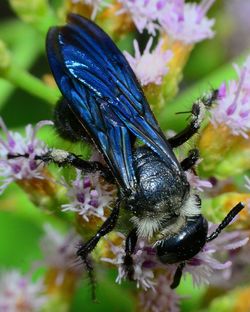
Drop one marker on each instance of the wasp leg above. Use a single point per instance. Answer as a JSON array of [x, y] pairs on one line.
[[63, 158], [107, 227], [90, 270], [197, 115], [191, 160], [130, 245], [177, 275], [85, 249], [191, 129]]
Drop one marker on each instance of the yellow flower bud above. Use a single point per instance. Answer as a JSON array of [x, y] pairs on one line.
[[224, 154], [181, 53]]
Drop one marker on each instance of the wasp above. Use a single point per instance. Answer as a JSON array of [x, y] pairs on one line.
[[104, 104]]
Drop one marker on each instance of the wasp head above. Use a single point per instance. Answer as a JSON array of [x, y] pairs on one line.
[[186, 243]]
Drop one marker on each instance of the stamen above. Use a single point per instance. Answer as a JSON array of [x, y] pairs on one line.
[[39, 125], [203, 9], [11, 142], [232, 108]]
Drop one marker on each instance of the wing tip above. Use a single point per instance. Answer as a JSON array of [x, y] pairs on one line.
[[73, 18]]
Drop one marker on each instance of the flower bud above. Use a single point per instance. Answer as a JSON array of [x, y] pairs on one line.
[[176, 65], [224, 155]]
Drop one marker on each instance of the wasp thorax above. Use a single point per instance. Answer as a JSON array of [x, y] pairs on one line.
[[161, 189]]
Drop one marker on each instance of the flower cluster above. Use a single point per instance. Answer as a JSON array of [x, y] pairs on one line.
[[234, 102], [160, 299], [188, 22], [59, 251], [88, 196], [19, 293], [144, 259], [185, 22], [140, 63], [14, 168], [204, 263]]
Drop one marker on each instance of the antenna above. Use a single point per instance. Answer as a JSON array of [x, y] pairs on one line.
[[230, 216]]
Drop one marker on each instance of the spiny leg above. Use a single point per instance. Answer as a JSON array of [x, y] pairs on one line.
[[64, 158], [85, 249], [191, 129], [130, 245], [68, 127], [197, 116], [107, 227], [90, 270], [191, 160]]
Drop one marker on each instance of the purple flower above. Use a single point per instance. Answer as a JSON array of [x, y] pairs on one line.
[[188, 24], [185, 22], [144, 13], [19, 293], [144, 259], [88, 197], [150, 66], [239, 271], [196, 182], [59, 251], [156, 294], [160, 299], [15, 144], [233, 109]]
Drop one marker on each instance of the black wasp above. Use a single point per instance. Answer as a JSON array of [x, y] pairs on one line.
[[104, 103]]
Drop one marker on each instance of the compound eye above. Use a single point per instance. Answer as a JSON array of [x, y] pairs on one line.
[[186, 244]]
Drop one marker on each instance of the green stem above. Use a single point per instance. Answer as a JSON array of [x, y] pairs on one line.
[[24, 80], [25, 45], [168, 118]]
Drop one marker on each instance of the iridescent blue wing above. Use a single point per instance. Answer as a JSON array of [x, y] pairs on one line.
[[103, 92]]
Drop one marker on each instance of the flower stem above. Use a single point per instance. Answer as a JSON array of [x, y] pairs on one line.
[[24, 80]]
